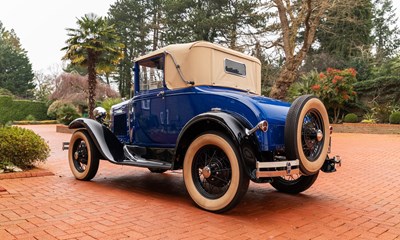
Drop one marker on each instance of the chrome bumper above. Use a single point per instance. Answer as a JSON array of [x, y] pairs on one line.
[[286, 168], [277, 169]]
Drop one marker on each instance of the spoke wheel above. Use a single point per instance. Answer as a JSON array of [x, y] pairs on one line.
[[213, 174], [311, 135], [211, 171], [307, 134], [294, 184], [83, 156]]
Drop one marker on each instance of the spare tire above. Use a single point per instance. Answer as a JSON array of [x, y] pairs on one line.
[[307, 133]]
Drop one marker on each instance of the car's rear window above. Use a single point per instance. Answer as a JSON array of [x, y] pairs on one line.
[[235, 68]]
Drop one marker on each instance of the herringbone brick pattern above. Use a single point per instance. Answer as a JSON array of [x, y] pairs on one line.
[[360, 201]]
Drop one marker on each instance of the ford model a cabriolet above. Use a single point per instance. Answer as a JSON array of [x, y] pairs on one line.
[[197, 107]]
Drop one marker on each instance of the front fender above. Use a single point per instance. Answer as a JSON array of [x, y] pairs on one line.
[[220, 121], [106, 142]]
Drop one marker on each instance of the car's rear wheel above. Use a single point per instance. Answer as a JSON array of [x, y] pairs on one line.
[[307, 133], [213, 174], [294, 183], [83, 156]]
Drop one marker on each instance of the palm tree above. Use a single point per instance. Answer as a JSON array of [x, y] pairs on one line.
[[93, 45]]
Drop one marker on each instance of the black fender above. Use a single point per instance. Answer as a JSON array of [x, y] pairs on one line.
[[231, 125], [106, 142]]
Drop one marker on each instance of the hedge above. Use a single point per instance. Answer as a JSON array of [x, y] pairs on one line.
[[16, 110], [382, 89]]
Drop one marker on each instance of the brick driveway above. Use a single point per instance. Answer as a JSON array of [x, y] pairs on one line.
[[361, 201]]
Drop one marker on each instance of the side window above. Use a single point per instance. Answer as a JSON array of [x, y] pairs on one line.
[[235, 68], [151, 74]]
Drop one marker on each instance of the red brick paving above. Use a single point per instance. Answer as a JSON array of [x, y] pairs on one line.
[[360, 201]]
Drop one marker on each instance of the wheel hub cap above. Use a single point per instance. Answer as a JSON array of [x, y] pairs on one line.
[[76, 155], [206, 172], [320, 135]]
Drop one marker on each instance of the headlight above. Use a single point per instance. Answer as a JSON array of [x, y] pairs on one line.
[[100, 114]]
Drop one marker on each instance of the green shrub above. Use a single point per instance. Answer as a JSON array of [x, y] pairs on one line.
[[5, 92], [302, 86], [66, 114], [369, 118], [382, 112], [30, 117], [394, 118], [350, 118], [383, 89], [54, 107], [108, 103], [22, 147], [16, 110]]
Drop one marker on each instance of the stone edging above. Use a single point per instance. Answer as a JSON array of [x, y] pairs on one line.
[[63, 129], [366, 128], [26, 174]]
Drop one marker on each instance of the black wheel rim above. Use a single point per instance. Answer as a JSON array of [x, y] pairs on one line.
[[290, 179], [211, 172], [80, 155], [313, 127]]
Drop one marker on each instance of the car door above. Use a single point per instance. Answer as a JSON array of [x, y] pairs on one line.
[[149, 104]]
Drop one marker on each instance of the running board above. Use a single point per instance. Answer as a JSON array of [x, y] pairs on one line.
[[137, 161], [277, 168]]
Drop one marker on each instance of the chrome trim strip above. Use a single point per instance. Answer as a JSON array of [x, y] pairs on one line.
[[293, 163]]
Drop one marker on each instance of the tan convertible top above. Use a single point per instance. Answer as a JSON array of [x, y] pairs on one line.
[[204, 64]]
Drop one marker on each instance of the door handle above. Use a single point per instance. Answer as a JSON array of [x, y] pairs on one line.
[[161, 94]]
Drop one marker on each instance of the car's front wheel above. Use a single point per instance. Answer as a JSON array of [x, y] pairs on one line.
[[83, 156], [213, 174]]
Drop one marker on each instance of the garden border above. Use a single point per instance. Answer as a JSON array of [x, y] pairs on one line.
[[370, 128]]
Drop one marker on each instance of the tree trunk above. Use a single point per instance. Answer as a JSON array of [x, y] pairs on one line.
[[92, 84], [308, 15], [287, 76], [336, 114]]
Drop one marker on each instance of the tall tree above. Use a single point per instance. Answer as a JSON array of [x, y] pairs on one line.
[[240, 20], [15, 68], [386, 34], [45, 85], [94, 42], [344, 38], [298, 20], [345, 32], [192, 20], [131, 20]]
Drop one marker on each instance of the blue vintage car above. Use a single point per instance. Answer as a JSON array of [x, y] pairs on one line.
[[197, 107]]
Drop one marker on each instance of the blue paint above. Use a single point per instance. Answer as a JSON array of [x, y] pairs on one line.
[[158, 118]]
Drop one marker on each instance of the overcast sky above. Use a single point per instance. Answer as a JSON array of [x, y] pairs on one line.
[[40, 24]]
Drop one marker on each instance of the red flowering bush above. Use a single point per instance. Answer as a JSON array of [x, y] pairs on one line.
[[335, 88]]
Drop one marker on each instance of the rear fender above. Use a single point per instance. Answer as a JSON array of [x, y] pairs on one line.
[[226, 123], [106, 142]]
